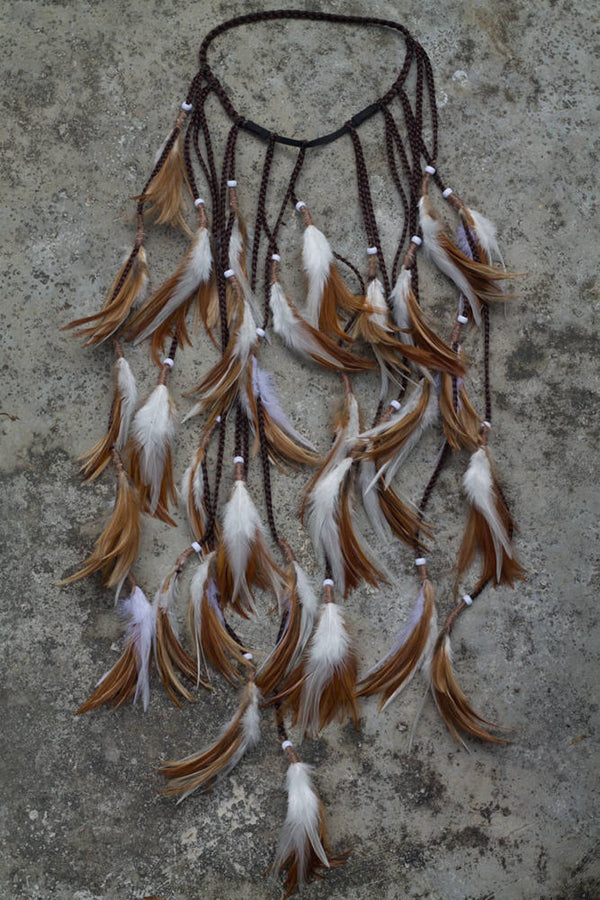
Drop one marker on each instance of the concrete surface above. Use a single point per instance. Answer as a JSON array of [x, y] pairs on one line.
[[90, 89]]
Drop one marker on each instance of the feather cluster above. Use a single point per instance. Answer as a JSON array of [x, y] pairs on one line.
[[130, 676], [373, 325], [303, 853], [165, 193], [201, 769], [411, 651], [455, 709], [129, 289], [489, 527], [477, 281], [165, 313], [327, 292], [300, 336], [150, 460], [243, 560], [323, 686], [116, 549]]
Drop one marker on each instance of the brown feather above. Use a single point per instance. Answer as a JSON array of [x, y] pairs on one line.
[[397, 670], [218, 646], [165, 193], [481, 276], [117, 686], [451, 701], [281, 447], [332, 356], [128, 284], [98, 457], [168, 493], [357, 565], [172, 658], [277, 663], [297, 872], [406, 524], [196, 517], [433, 352], [261, 572], [117, 548], [384, 446], [462, 426], [336, 295], [477, 538], [200, 769]]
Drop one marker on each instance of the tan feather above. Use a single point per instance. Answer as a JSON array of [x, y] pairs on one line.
[[129, 285], [276, 666], [462, 426], [478, 538], [211, 636], [165, 193], [118, 686], [451, 701], [435, 354], [168, 492], [357, 565], [172, 658], [385, 444], [406, 524], [122, 407], [398, 668], [261, 572], [336, 295], [117, 547]]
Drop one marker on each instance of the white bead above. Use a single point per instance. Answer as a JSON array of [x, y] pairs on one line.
[[467, 599], [487, 424], [248, 656], [395, 404], [371, 251], [462, 319], [186, 106], [300, 205], [286, 744], [199, 202], [276, 257], [415, 239], [228, 273], [238, 459], [430, 170], [328, 582], [420, 561], [232, 183], [446, 193], [218, 419], [196, 547], [260, 332], [168, 362]]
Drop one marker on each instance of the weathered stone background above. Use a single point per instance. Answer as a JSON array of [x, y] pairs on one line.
[[90, 89]]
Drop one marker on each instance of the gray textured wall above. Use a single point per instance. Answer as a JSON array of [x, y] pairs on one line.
[[89, 91]]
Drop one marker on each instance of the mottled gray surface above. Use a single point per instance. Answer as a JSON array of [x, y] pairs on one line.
[[89, 91]]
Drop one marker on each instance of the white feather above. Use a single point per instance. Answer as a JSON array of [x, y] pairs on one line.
[[367, 476], [197, 271], [310, 604], [479, 488], [301, 827], [265, 389], [327, 651], [128, 390], [432, 229], [140, 632], [196, 486], [317, 257], [376, 300], [322, 507], [486, 236], [153, 431], [292, 329], [167, 592], [241, 525], [399, 305]]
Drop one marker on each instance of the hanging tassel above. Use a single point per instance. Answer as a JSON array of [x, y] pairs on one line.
[[390, 443], [462, 425], [243, 559], [130, 676], [165, 313], [489, 526], [129, 289], [298, 609], [150, 460], [201, 769], [117, 548], [455, 709], [171, 657], [435, 354], [327, 513], [477, 281], [323, 686], [165, 192], [283, 442], [411, 651], [121, 413], [326, 289], [308, 342], [303, 852], [219, 388]]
